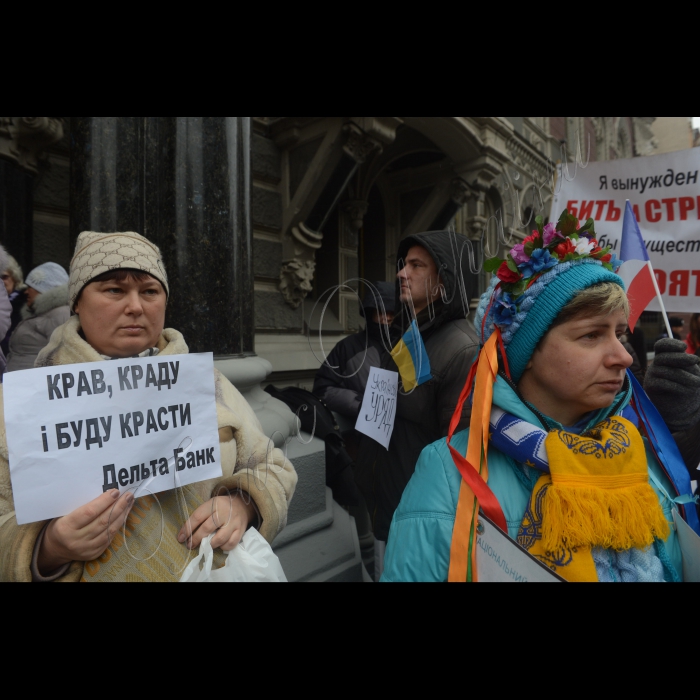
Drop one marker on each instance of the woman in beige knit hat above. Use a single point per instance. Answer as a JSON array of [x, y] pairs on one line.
[[119, 291]]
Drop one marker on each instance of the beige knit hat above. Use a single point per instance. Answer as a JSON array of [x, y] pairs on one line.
[[97, 253]]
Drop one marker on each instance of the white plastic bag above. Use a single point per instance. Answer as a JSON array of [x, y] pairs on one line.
[[253, 561]]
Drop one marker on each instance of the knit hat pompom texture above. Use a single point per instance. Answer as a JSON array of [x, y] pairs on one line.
[[97, 253], [539, 307], [47, 277]]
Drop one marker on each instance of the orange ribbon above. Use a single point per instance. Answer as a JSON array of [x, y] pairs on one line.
[[475, 494]]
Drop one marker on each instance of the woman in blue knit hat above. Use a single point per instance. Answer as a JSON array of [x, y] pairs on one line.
[[549, 456]]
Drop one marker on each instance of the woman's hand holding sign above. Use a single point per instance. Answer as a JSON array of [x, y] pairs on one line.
[[228, 516], [86, 533]]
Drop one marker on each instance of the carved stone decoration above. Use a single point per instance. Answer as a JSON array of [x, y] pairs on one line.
[[297, 275], [381, 128], [23, 139], [356, 209], [645, 141], [460, 191], [358, 145]]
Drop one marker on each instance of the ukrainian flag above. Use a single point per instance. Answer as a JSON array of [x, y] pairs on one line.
[[412, 359]]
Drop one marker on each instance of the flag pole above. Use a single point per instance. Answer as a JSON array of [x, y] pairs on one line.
[[661, 300]]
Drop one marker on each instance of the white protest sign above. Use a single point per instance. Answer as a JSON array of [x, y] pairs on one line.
[[141, 425], [690, 547], [501, 560], [378, 414], [665, 193]]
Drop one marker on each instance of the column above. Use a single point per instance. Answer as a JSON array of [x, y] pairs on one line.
[[198, 173], [184, 183], [106, 174]]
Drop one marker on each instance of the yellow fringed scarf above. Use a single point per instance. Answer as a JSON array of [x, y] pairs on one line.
[[598, 495]]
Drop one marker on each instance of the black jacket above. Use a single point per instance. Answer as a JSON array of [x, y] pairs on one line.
[[341, 381], [424, 416]]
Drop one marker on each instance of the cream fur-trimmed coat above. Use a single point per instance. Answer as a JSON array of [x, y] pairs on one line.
[[249, 463]]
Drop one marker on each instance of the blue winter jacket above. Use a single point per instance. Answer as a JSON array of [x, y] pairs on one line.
[[421, 532]]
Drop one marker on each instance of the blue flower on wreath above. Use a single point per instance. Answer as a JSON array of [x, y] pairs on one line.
[[504, 310], [616, 262], [541, 261]]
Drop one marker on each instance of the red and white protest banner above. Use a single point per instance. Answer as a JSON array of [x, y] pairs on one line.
[[664, 192]]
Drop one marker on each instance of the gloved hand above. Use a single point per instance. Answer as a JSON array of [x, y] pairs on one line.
[[673, 384]]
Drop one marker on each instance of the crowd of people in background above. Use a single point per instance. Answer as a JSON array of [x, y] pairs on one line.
[[30, 312]]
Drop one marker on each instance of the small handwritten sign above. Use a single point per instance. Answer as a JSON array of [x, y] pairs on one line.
[[378, 414], [501, 560]]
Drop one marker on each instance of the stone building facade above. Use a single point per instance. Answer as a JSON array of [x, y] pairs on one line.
[[333, 196]]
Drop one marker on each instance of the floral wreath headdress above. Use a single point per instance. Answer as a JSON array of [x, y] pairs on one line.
[[548, 246]]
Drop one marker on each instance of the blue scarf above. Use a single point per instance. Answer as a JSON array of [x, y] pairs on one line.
[[520, 440]]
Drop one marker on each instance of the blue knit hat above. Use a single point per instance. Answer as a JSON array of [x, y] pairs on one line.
[[550, 276]]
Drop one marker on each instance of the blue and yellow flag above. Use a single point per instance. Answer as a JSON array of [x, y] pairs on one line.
[[412, 359]]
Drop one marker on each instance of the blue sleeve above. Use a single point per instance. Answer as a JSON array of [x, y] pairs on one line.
[[420, 539]]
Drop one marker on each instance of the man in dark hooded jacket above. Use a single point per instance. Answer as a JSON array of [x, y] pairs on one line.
[[432, 285]]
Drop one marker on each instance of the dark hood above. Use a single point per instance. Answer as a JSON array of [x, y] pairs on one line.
[[444, 248], [379, 292]]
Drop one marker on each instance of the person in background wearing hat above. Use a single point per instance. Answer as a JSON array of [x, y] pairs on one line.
[[5, 310], [570, 476], [119, 292], [341, 381], [13, 279], [14, 284], [341, 384], [677, 328], [47, 308]]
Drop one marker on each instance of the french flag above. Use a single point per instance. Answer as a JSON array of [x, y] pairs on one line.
[[636, 270]]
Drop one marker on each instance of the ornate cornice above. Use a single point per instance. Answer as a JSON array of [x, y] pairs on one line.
[[523, 154]]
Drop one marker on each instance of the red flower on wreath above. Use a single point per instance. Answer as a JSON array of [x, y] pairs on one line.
[[533, 238], [505, 274], [565, 248]]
